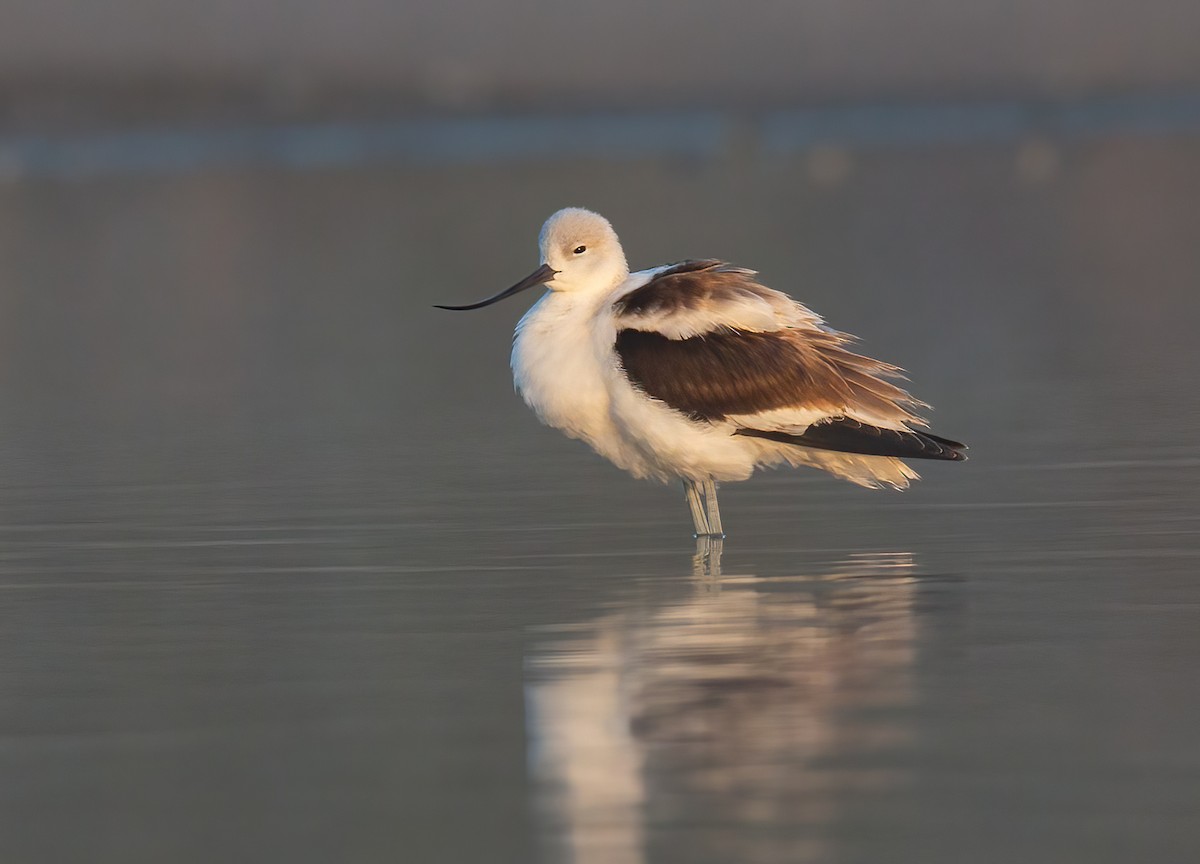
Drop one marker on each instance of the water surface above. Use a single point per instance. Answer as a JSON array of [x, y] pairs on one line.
[[288, 573]]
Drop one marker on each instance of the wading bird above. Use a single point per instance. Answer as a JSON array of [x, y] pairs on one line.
[[697, 371]]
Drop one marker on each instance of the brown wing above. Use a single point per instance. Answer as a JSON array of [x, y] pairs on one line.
[[691, 285], [695, 297], [708, 339], [720, 374]]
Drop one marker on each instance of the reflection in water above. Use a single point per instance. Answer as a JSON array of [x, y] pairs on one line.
[[752, 700]]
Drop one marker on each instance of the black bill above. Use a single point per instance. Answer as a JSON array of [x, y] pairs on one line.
[[538, 277]]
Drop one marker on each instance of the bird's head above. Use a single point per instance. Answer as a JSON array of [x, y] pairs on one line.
[[580, 253], [583, 250]]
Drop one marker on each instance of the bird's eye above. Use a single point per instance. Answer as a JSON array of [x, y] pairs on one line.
[[579, 250]]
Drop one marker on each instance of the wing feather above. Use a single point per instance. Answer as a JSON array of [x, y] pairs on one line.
[[710, 341], [692, 298]]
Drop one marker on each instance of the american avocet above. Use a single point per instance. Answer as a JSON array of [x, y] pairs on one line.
[[696, 371]]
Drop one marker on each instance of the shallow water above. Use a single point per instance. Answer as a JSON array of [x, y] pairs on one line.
[[288, 573]]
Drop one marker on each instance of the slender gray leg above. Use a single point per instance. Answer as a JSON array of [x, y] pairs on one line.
[[706, 563], [714, 512], [696, 503]]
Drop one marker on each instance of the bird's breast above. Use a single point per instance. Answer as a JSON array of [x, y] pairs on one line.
[[558, 361]]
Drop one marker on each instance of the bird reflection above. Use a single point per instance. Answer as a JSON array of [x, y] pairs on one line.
[[748, 700]]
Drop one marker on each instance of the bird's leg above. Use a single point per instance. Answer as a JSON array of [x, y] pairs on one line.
[[706, 563], [696, 504], [714, 512]]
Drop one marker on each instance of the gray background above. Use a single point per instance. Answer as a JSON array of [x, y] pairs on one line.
[[73, 56], [288, 573]]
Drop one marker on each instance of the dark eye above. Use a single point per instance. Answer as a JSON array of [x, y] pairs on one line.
[[579, 250]]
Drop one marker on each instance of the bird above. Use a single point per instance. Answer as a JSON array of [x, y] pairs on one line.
[[695, 371]]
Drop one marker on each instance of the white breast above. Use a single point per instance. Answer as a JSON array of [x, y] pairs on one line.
[[558, 368]]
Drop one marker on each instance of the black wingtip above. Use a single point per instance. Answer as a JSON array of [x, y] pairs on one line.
[[946, 442], [845, 435]]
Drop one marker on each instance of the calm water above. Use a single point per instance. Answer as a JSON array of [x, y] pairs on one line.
[[288, 573]]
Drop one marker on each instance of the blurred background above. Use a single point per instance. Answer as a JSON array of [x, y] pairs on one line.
[[287, 572]]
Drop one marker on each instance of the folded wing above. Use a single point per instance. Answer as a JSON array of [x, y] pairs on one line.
[[711, 342]]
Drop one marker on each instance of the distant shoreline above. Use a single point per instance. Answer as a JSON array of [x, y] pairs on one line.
[[120, 148]]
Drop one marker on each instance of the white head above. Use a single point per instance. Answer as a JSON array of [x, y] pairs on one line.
[[580, 252], [583, 249]]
